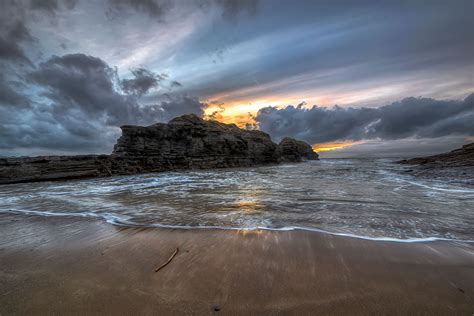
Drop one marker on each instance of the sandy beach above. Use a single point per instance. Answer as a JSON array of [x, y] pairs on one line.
[[78, 266]]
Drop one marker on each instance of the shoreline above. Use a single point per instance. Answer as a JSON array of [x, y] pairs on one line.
[[79, 265], [133, 225]]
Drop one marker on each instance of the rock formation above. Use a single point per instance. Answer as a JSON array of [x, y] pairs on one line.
[[191, 142], [462, 157], [186, 142], [44, 168], [457, 165], [292, 150]]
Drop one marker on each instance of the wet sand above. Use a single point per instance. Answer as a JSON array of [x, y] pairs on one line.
[[79, 266]]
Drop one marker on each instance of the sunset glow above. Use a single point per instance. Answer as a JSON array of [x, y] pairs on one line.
[[240, 119], [334, 146], [239, 112]]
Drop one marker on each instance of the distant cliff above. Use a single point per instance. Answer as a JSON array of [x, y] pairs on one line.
[[186, 142]]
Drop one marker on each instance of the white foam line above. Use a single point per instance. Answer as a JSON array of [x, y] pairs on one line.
[[107, 217], [115, 220], [439, 189], [46, 214], [291, 228]]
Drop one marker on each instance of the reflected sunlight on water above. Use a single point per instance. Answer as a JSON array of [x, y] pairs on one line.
[[350, 196]]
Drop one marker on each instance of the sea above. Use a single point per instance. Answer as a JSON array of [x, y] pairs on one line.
[[362, 198]]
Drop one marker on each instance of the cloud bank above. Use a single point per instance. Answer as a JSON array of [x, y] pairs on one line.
[[408, 118], [160, 8], [78, 103]]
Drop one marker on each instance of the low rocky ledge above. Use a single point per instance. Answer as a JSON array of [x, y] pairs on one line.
[[462, 157], [186, 142], [454, 166]]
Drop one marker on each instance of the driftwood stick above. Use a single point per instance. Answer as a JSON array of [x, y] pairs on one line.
[[169, 260]]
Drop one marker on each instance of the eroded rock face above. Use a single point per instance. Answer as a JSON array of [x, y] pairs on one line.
[[191, 142], [186, 142]]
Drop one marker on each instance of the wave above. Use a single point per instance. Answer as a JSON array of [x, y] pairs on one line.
[[125, 222], [440, 189]]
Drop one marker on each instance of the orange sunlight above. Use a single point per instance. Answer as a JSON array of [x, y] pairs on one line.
[[240, 112], [239, 115], [333, 146]]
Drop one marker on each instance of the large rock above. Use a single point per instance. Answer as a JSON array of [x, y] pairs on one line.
[[186, 142], [191, 142], [292, 150]]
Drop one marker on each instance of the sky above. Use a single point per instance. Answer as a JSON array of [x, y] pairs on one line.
[[352, 78]]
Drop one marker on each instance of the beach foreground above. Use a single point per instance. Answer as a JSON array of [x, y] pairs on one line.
[[60, 265]]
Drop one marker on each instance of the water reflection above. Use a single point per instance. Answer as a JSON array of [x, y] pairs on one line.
[[361, 197]]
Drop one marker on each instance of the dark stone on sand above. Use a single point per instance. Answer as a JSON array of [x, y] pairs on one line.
[[186, 142]]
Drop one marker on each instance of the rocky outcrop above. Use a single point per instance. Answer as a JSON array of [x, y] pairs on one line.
[[462, 157], [457, 165], [44, 168], [292, 150], [186, 142]]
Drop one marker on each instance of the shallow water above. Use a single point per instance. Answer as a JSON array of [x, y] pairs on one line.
[[361, 197]]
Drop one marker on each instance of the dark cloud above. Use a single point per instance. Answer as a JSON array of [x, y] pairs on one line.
[[86, 84], [80, 82], [158, 8], [12, 51], [424, 117], [9, 96], [176, 84], [153, 8], [143, 81], [232, 8], [14, 31], [179, 105], [411, 117], [52, 6], [80, 105], [13, 34], [18, 32], [49, 6], [12, 15]]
